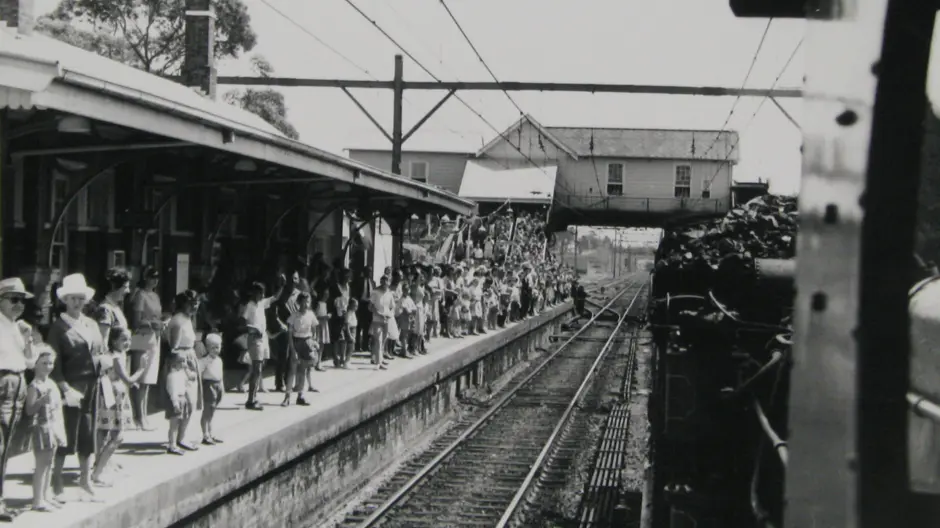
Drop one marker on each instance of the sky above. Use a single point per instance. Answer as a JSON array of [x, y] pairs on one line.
[[677, 42]]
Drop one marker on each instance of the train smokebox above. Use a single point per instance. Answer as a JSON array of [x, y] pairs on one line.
[[924, 433]]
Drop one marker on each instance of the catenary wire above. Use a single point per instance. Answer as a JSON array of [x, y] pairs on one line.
[[747, 76], [460, 99], [756, 111]]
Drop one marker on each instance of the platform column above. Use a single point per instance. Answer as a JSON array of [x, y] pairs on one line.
[[6, 180]]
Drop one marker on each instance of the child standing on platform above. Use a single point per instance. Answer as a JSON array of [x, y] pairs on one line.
[[350, 325], [210, 366], [115, 414], [44, 405], [303, 349]]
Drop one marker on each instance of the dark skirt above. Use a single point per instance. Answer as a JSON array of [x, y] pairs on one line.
[[80, 421]]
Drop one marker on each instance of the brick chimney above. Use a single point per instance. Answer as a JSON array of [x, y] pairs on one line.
[[199, 60], [20, 14]]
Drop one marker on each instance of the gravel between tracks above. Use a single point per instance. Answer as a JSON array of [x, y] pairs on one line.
[[474, 486]]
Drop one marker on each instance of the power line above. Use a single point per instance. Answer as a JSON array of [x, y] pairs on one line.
[[318, 39], [339, 54], [462, 101], [477, 53], [743, 84], [756, 111]]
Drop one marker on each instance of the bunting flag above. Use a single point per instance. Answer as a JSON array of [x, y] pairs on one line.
[[365, 235], [512, 235]]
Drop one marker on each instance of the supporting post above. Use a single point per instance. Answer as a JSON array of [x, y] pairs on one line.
[[367, 113], [396, 115], [785, 113], [199, 60], [6, 173], [428, 115], [890, 195]]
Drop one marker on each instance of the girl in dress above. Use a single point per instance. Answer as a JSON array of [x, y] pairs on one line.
[[436, 289], [350, 326], [466, 315], [476, 306], [115, 414], [419, 295], [303, 349], [44, 406]]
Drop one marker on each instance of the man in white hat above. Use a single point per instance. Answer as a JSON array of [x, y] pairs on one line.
[[16, 356]]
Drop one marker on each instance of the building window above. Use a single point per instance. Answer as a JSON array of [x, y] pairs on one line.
[[615, 179], [683, 181], [58, 195], [117, 259], [707, 188], [96, 204], [419, 171]]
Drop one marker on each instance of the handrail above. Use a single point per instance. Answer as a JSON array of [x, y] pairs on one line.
[[923, 407], [775, 358], [780, 446]]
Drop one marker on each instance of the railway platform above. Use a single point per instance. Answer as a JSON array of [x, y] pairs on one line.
[[157, 489]]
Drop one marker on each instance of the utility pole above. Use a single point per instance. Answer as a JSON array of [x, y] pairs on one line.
[[398, 91], [576, 250]]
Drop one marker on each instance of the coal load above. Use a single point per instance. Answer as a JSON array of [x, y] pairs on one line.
[[721, 260]]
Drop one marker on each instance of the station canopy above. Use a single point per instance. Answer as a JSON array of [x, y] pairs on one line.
[[533, 185], [62, 99]]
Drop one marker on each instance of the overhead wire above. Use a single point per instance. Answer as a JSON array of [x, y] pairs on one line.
[[439, 55], [341, 55], [750, 120], [408, 54], [523, 115], [747, 76], [479, 57], [322, 42]]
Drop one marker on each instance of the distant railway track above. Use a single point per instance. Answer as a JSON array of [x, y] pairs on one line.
[[486, 469]]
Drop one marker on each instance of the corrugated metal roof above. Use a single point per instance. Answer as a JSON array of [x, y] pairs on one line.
[[36, 70], [649, 143], [78, 61], [531, 184]]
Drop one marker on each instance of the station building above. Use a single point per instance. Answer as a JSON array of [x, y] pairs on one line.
[[105, 165], [597, 176]]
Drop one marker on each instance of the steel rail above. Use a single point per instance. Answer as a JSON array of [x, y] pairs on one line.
[[537, 466], [431, 466]]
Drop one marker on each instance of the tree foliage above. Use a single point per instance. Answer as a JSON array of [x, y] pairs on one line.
[[148, 34], [267, 103]]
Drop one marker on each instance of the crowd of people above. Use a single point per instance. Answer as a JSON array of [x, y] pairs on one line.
[[80, 384]]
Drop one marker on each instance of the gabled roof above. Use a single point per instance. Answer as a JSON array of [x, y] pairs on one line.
[[650, 143], [542, 130]]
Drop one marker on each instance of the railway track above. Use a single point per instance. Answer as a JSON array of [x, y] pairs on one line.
[[486, 469]]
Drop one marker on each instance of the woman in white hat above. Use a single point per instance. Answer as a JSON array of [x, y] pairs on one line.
[[77, 341]]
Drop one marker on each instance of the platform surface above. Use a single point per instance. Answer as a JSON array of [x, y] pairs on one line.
[[146, 465]]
